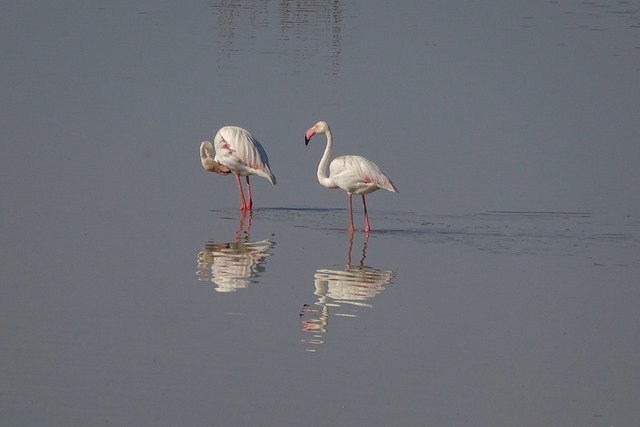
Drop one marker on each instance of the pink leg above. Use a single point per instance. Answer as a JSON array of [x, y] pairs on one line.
[[243, 206], [249, 202], [367, 228], [350, 213]]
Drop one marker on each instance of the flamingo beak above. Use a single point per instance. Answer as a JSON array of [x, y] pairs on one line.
[[308, 135], [223, 170]]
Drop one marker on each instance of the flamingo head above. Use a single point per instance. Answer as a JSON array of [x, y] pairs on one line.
[[320, 127], [206, 151]]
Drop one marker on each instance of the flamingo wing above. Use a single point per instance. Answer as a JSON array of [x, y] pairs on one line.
[[241, 152], [357, 175]]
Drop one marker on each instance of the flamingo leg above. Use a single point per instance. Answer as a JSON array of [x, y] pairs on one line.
[[243, 206], [350, 214], [367, 228], [249, 201]]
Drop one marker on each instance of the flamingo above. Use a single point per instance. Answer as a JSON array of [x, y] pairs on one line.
[[353, 174], [240, 153]]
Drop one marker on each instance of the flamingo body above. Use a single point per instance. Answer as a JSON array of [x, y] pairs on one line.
[[237, 151], [241, 152], [357, 175], [353, 174]]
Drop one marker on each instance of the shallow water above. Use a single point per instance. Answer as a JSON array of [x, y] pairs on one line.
[[499, 286]]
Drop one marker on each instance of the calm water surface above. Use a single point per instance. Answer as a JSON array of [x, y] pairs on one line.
[[499, 287]]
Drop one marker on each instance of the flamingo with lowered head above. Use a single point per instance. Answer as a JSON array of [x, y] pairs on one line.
[[353, 174], [240, 153]]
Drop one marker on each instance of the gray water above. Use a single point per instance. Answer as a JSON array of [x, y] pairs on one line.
[[498, 288]]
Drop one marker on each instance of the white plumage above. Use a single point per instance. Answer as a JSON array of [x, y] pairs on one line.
[[239, 152], [357, 175], [353, 174]]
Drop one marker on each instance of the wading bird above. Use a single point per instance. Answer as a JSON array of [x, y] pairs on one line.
[[237, 152], [354, 174]]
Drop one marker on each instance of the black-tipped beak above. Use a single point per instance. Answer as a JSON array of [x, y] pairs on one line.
[[308, 135]]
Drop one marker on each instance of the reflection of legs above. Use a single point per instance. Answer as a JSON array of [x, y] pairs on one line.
[[249, 202], [350, 213], [248, 222], [243, 206], [366, 216], [364, 248], [349, 252], [238, 232], [244, 215]]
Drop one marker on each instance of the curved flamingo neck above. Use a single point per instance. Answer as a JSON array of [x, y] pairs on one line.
[[205, 150], [323, 176]]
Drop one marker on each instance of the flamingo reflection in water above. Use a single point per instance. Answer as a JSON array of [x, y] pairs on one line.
[[351, 287], [233, 265]]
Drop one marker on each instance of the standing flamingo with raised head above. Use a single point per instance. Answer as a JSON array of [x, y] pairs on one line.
[[240, 153], [354, 174]]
